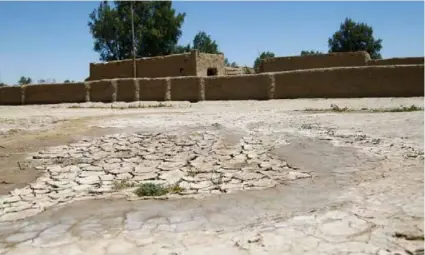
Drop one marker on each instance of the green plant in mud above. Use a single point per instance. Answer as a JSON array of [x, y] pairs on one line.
[[154, 190], [122, 184]]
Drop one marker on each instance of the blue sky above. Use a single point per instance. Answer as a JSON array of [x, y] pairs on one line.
[[51, 40]]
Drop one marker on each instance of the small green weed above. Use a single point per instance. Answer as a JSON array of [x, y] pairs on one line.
[[154, 190], [123, 184]]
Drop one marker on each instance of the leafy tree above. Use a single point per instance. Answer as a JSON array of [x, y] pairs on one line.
[[204, 43], [263, 55], [227, 63], [41, 81], [353, 36], [310, 52], [157, 29], [178, 49], [2, 84], [24, 80]]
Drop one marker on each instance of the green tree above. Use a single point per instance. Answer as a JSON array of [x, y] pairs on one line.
[[24, 80], [204, 43], [310, 52], [178, 49], [3, 84], [353, 36], [230, 64], [263, 55], [157, 29]]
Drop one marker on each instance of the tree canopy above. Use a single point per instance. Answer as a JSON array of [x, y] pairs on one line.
[[24, 80], [204, 43], [353, 36], [230, 64], [157, 28], [310, 52], [263, 55]]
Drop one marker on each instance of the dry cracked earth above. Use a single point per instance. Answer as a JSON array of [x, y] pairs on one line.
[[253, 178]]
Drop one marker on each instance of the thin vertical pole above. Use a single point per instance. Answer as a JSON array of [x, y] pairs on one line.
[[134, 45]]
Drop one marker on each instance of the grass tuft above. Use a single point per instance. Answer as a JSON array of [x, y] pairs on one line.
[[123, 184], [154, 190]]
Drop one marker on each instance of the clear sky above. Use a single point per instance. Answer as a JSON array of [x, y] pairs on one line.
[[51, 40]]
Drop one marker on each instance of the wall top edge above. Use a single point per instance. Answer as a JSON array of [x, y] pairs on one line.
[[144, 58]]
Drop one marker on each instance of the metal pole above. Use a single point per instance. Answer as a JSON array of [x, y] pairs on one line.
[[134, 45]]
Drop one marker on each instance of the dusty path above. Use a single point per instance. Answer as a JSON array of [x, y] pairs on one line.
[[365, 194]]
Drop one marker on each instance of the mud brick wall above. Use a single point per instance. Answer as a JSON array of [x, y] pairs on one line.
[[164, 66], [154, 89], [186, 89], [127, 90], [205, 61], [103, 91], [376, 81], [396, 61], [343, 59], [11, 95], [55, 93], [243, 87], [348, 82]]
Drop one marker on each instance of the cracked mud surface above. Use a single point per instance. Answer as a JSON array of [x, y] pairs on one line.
[[259, 178]]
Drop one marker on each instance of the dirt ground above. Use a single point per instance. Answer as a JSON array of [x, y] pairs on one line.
[[365, 195]]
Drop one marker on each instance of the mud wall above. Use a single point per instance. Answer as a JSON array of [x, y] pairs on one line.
[[11, 95], [342, 59], [186, 89], [396, 61], [205, 61], [243, 87], [55, 93], [376, 81], [164, 66], [349, 82]]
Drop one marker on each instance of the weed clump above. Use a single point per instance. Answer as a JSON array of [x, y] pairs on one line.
[[154, 190]]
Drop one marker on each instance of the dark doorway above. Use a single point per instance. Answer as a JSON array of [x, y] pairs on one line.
[[212, 71]]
